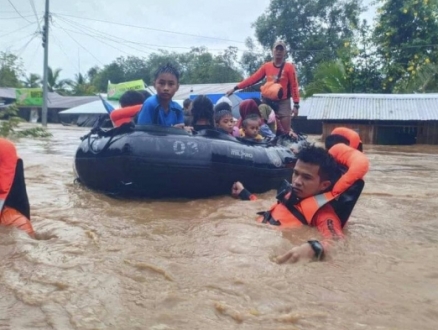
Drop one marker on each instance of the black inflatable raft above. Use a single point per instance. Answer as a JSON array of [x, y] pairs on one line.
[[153, 161]]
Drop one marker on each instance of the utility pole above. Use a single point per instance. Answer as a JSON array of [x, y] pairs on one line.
[[45, 34]]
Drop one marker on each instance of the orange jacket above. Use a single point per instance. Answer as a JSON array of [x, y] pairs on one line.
[[124, 115], [8, 164], [288, 79], [356, 162], [349, 134], [312, 211]]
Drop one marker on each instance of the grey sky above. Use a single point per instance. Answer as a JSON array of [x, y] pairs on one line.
[[78, 44]]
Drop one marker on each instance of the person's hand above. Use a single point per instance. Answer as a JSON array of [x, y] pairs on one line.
[[236, 189], [293, 134], [179, 126], [188, 129], [295, 111], [303, 251], [231, 91]]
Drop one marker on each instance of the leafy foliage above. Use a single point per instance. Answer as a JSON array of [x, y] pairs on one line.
[[313, 29], [407, 39], [10, 123], [11, 68]]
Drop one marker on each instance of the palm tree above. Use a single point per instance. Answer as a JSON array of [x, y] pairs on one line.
[[329, 77], [33, 80], [424, 81], [81, 86], [54, 84]]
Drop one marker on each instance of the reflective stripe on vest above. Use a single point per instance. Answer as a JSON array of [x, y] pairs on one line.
[[282, 215]]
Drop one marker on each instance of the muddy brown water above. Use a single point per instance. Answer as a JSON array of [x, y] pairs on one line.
[[103, 263]]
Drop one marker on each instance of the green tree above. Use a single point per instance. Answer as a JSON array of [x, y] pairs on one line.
[[407, 37], [251, 60], [11, 68], [361, 63], [81, 86], [54, 83], [33, 80], [424, 81], [313, 29], [329, 77]]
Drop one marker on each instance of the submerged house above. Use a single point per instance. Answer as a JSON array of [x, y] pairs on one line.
[[378, 118]]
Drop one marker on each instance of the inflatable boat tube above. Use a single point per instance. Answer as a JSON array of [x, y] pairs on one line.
[[157, 162]]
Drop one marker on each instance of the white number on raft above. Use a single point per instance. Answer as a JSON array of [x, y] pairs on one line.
[[179, 147]]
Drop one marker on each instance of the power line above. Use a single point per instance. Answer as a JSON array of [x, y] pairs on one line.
[[82, 32], [60, 46], [118, 39], [22, 49], [17, 17], [19, 29], [151, 29], [18, 12], [81, 46], [32, 4]]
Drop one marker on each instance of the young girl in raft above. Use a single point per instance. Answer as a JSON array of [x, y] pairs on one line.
[[224, 121], [249, 107], [226, 105], [267, 113], [202, 112]]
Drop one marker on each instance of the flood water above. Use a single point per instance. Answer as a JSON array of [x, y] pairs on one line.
[[103, 263]]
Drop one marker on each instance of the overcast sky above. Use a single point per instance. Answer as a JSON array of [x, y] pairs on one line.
[[79, 39]]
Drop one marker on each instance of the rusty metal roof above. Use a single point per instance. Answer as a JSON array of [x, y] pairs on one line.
[[402, 107]]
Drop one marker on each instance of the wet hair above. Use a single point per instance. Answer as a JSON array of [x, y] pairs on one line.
[[167, 68], [146, 94], [249, 118], [186, 103], [257, 100], [333, 139], [328, 168], [222, 114], [130, 98], [222, 106], [202, 108]]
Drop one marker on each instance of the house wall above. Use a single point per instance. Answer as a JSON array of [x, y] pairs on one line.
[[387, 132], [365, 130], [428, 133]]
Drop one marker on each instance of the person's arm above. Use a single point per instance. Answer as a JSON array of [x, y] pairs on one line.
[[356, 162], [8, 164], [329, 225], [179, 119], [145, 116], [239, 191], [251, 80], [295, 92]]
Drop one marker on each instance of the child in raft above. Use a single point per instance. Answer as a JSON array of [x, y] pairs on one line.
[[224, 122], [251, 128], [160, 109]]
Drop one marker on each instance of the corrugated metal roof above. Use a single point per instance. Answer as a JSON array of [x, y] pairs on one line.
[[55, 101], [184, 91], [419, 107]]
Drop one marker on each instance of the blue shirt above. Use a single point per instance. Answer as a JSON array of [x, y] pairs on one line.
[[152, 113]]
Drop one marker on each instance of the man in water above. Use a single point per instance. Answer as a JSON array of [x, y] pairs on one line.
[[14, 203], [306, 202]]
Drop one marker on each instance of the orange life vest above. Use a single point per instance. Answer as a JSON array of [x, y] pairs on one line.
[[291, 216], [349, 134], [342, 197], [356, 162], [14, 204], [124, 115]]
